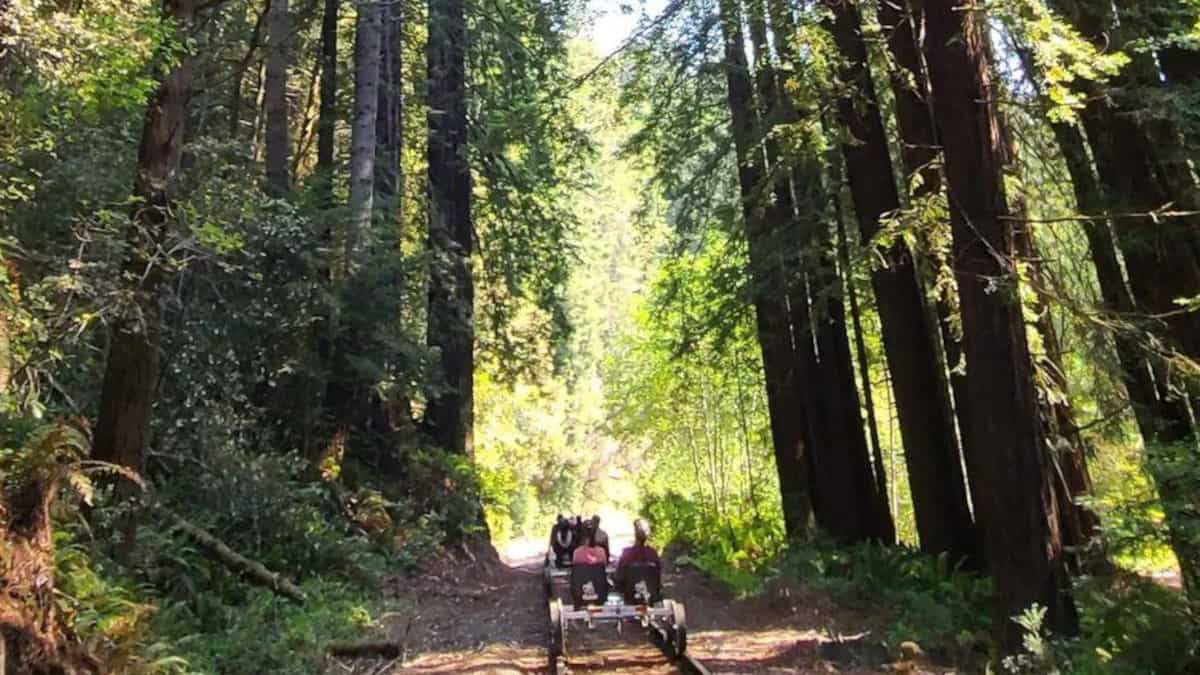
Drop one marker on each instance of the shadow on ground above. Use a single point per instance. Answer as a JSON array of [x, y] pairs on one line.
[[461, 620]]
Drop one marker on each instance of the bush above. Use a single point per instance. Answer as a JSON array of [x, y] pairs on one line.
[[924, 599], [739, 549], [1131, 625], [266, 633]]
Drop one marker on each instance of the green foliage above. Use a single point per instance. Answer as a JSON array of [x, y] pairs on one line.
[[1131, 513], [112, 616], [265, 633], [1060, 53], [1133, 625], [738, 550], [1129, 625], [924, 599]]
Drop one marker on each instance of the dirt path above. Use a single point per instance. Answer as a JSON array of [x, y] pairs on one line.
[[496, 623]]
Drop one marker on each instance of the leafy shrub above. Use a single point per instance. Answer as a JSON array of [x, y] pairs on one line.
[[266, 633], [738, 548], [925, 600], [114, 619], [1132, 625]]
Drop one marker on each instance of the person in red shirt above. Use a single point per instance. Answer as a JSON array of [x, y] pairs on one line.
[[640, 553], [588, 553]]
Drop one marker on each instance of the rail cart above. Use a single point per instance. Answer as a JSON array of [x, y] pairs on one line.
[[591, 600]]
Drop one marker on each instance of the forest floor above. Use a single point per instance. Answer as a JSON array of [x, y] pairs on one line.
[[491, 618]]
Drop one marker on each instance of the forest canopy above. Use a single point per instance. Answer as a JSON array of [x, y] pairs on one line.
[[900, 301]]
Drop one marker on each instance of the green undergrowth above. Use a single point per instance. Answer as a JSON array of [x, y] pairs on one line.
[[140, 628], [739, 548], [167, 606], [919, 598], [1130, 625]]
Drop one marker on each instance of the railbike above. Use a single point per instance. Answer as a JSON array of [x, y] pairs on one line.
[[584, 596]]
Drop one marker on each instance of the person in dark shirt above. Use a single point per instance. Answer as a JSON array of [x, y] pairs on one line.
[[563, 540]]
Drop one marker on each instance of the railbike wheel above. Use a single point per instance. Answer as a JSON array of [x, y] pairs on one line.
[[558, 645], [679, 628]]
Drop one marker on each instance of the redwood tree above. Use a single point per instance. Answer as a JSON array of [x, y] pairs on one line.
[[922, 401], [278, 150], [132, 368], [327, 106], [368, 29], [789, 424], [1024, 545], [451, 323]]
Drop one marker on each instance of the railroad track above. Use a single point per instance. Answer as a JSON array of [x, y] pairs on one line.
[[687, 663]]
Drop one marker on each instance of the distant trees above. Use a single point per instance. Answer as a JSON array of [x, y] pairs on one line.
[[275, 98]]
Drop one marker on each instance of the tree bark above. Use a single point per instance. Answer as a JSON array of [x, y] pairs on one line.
[[451, 322], [919, 152], [388, 134], [1162, 261], [922, 401], [278, 143], [785, 410], [367, 33], [132, 368], [1024, 541], [845, 497], [1065, 444], [327, 112], [859, 511], [860, 350]]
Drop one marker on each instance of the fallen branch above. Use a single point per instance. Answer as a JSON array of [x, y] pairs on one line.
[[251, 569], [359, 650]]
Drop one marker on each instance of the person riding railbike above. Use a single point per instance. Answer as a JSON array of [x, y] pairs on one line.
[[588, 552], [601, 537], [564, 538], [641, 556]]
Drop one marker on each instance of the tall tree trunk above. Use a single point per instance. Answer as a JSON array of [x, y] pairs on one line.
[[1163, 264], [922, 401], [1024, 542], [132, 367], [1066, 446], [860, 349], [388, 133], [451, 324], [919, 154], [860, 512], [275, 100], [845, 498], [239, 74], [786, 412], [367, 33], [1139, 174], [333, 398], [327, 112]]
